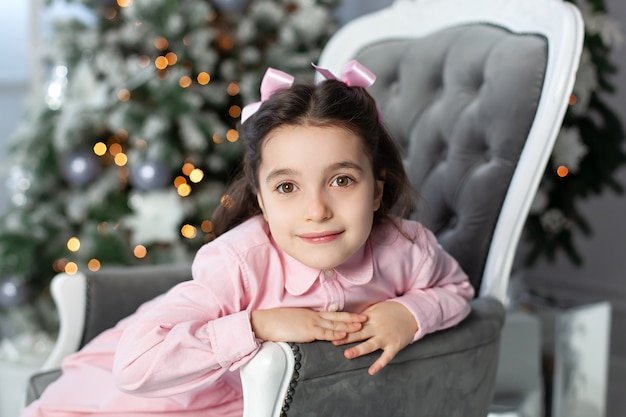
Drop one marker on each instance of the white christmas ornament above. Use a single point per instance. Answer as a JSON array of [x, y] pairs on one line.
[[553, 221], [157, 217], [569, 149]]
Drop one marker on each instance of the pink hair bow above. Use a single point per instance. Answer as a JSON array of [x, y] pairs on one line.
[[273, 81], [354, 74]]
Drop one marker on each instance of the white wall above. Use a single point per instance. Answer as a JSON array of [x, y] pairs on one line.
[[15, 76]]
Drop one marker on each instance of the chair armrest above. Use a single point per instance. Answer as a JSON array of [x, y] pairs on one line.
[[265, 380], [69, 295], [324, 382], [89, 303], [116, 292]]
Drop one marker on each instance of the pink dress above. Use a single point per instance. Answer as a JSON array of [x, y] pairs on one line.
[[179, 354]]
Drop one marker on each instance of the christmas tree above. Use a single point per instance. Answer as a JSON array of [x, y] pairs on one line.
[[128, 153], [589, 148]]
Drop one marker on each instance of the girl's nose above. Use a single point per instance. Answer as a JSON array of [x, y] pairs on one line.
[[317, 208]]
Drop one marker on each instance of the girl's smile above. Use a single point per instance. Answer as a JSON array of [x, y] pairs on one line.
[[323, 237]]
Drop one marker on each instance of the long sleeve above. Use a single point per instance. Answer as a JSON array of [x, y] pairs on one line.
[[193, 335], [439, 292]]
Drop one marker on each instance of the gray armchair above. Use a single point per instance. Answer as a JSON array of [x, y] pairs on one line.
[[475, 92]]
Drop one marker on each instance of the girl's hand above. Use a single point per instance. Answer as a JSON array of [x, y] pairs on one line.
[[390, 327], [303, 324]]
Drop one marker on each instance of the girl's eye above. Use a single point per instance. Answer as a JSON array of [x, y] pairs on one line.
[[286, 188], [342, 181]]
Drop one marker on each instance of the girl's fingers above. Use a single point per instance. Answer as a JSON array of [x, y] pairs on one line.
[[381, 362], [343, 317], [361, 349]]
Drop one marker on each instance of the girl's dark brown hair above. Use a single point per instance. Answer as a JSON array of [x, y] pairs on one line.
[[330, 103]]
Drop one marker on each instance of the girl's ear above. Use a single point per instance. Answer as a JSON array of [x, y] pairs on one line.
[[259, 200]]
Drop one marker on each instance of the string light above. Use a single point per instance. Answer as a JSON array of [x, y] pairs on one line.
[[161, 62], [140, 251], [232, 135], [115, 148], [232, 89], [123, 95], [203, 78], [187, 168], [196, 175], [73, 244], [234, 111], [206, 226], [184, 81], [161, 43], [124, 3], [71, 268], [93, 265], [100, 148], [184, 190], [59, 264], [188, 231], [562, 171], [572, 99], [171, 57], [179, 180], [120, 159], [216, 138]]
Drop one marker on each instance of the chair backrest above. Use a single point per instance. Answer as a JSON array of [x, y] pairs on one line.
[[474, 91]]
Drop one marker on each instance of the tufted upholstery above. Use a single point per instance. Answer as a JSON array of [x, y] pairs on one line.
[[460, 103]]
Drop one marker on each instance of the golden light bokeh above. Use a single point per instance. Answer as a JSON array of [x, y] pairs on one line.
[[161, 62], [179, 180], [187, 168], [59, 265], [216, 138], [71, 268], [124, 3], [184, 190], [188, 231], [232, 135], [120, 159], [196, 175], [203, 78], [206, 226], [100, 148], [184, 81], [123, 94], [140, 251], [115, 148], [172, 58], [161, 43], [562, 171], [73, 244], [234, 111], [232, 89], [93, 265]]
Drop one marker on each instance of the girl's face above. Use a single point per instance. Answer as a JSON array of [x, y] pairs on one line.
[[318, 193]]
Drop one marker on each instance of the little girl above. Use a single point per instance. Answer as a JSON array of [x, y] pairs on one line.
[[306, 249]]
